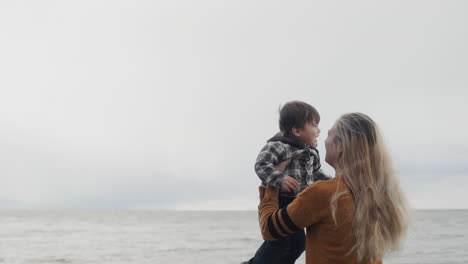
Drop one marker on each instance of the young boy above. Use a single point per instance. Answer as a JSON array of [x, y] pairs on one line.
[[296, 142]]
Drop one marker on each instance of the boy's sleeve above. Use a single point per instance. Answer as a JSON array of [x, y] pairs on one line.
[[304, 211], [268, 157], [318, 174], [321, 176]]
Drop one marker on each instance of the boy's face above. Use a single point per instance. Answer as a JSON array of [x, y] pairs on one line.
[[308, 134]]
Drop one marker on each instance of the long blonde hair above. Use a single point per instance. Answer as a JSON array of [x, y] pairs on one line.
[[381, 214]]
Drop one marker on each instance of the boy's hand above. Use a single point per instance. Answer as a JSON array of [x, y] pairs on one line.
[[289, 184]]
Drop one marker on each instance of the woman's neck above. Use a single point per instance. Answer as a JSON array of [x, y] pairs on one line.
[[338, 172]]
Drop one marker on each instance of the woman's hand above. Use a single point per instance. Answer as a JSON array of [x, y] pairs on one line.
[[282, 165], [289, 184]]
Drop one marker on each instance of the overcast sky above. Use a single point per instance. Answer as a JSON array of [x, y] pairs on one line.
[[166, 104]]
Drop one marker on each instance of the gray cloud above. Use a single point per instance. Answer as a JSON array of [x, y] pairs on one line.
[[148, 104]]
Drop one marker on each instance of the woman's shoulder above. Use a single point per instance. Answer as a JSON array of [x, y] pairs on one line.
[[326, 184], [322, 188], [313, 203]]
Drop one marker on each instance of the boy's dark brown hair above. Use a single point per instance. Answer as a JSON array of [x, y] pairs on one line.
[[296, 114]]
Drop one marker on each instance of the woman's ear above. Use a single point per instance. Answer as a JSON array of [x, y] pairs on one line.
[[339, 148]]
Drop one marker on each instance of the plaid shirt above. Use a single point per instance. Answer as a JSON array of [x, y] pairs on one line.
[[304, 167]]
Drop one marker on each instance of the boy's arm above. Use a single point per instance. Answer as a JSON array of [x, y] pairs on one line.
[[318, 174], [321, 176], [304, 211], [268, 157]]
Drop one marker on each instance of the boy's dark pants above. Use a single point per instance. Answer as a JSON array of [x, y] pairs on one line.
[[282, 251]]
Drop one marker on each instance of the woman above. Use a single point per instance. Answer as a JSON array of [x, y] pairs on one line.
[[358, 216]]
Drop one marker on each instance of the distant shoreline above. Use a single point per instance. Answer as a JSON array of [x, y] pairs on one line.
[[165, 210]]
